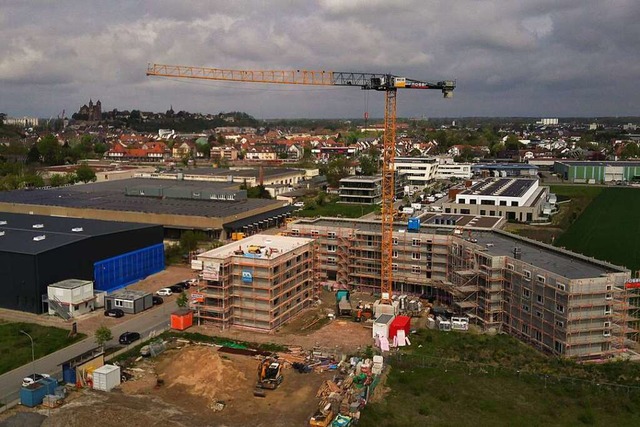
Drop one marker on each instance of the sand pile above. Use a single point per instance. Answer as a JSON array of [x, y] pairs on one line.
[[203, 373]]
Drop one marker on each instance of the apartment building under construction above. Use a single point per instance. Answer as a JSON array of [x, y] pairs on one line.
[[257, 283], [558, 301]]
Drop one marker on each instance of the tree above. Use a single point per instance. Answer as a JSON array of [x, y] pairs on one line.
[[85, 174], [182, 299], [103, 335], [630, 151], [57, 180], [512, 143], [189, 240], [50, 150], [33, 156]]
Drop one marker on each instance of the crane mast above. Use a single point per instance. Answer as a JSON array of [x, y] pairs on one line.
[[366, 81]]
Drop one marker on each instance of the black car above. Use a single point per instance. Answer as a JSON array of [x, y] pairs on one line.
[[177, 288], [114, 312], [157, 300], [129, 337]]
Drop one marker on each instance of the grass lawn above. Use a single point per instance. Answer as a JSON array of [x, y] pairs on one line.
[[462, 379], [581, 196], [607, 228], [15, 347], [336, 209]]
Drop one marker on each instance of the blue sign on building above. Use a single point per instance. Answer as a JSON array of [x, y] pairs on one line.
[[247, 277]]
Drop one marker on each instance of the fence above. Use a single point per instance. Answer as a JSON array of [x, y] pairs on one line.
[[12, 399], [405, 361]]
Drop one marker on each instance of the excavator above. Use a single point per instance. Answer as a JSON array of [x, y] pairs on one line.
[[269, 375]]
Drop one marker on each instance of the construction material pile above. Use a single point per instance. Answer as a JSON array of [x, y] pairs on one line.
[[305, 362], [350, 389]]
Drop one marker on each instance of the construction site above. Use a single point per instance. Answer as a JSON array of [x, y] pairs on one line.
[[555, 300]]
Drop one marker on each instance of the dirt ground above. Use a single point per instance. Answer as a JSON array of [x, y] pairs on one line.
[[195, 377]]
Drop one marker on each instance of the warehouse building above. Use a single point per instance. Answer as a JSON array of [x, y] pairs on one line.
[[258, 284], [515, 199], [214, 208], [37, 251], [558, 301], [586, 172]]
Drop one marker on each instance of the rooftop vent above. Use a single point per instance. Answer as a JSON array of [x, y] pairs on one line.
[[38, 238], [2, 233], [77, 229], [3, 222], [38, 225], [517, 252]]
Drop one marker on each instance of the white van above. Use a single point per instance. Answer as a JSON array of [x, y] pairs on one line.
[[164, 292]]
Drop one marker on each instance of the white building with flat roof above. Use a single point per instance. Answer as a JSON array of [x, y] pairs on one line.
[[419, 171], [517, 199], [73, 297]]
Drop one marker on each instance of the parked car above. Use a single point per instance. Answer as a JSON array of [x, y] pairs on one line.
[[177, 288], [299, 204], [114, 312], [165, 292], [157, 300], [128, 338], [31, 379]]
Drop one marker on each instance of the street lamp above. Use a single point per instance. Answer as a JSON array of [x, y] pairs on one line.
[[33, 356]]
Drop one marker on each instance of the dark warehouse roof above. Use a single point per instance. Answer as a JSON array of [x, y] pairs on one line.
[[110, 195], [19, 231]]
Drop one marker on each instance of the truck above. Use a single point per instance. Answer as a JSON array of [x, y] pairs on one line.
[[343, 303]]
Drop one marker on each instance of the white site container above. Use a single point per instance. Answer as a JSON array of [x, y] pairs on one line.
[[106, 377], [381, 325]]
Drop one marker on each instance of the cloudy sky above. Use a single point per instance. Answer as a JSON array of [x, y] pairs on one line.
[[539, 58]]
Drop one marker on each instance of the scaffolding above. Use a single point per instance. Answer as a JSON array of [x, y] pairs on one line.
[[258, 293]]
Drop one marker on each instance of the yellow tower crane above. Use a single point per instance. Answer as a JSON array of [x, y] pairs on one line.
[[387, 83]]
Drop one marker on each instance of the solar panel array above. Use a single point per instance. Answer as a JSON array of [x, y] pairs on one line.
[[517, 188]]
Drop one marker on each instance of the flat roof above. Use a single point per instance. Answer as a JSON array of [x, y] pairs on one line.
[[110, 195], [559, 261], [504, 187], [70, 283], [273, 246], [365, 178], [240, 223], [598, 163], [129, 294], [248, 172], [505, 166], [20, 235]]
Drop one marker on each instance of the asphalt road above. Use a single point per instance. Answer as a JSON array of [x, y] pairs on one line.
[[144, 323]]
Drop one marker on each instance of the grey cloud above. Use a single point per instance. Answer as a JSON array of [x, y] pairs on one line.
[[538, 57]]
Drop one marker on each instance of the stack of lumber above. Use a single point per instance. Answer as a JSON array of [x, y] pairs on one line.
[[327, 388]]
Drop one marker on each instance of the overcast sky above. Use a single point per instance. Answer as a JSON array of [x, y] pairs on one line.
[[539, 58]]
